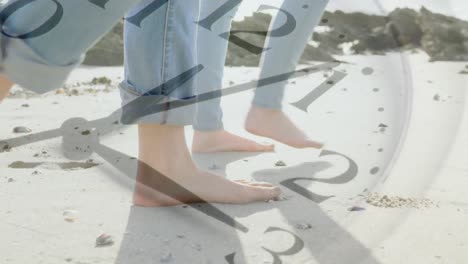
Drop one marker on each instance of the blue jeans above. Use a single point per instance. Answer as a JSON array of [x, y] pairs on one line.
[[42, 63], [162, 47], [212, 51], [283, 56]]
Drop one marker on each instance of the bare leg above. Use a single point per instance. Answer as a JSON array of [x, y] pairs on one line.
[[223, 141], [275, 124], [163, 151], [5, 86]]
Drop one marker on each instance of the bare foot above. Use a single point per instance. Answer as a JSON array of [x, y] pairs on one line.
[[223, 141], [5, 86], [275, 124], [167, 175]]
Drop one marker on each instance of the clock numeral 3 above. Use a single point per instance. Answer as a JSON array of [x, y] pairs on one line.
[[294, 249]]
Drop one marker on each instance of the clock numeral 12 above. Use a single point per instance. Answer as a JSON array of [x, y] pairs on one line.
[[232, 37]]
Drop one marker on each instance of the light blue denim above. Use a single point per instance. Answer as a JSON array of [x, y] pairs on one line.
[[282, 57], [161, 48], [212, 51], [286, 51], [44, 62]]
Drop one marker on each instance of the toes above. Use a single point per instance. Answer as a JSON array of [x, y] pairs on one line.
[[259, 193], [265, 147], [240, 181], [263, 184], [250, 183], [315, 144]]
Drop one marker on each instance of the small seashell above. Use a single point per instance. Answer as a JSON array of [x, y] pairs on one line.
[[196, 246], [166, 258], [304, 226], [70, 215]]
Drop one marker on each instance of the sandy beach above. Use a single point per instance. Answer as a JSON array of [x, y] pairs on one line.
[[389, 187]]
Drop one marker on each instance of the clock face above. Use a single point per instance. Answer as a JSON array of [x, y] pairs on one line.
[[360, 106], [362, 126]]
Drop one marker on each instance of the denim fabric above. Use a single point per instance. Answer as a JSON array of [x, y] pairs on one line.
[[44, 62], [162, 47], [282, 57], [286, 51], [212, 50]]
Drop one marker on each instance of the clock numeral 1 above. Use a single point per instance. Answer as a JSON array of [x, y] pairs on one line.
[[320, 90]]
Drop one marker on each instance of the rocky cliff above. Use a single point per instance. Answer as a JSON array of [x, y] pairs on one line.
[[441, 37]]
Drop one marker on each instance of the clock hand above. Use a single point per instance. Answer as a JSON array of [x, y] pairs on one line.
[[103, 125], [151, 104], [76, 129], [145, 105], [135, 108], [126, 165], [6, 145]]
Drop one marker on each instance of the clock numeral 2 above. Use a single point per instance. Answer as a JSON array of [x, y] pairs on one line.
[[343, 178]]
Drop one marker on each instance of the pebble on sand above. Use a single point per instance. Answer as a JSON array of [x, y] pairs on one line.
[[280, 163], [356, 209], [166, 258], [21, 129], [304, 226], [104, 240]]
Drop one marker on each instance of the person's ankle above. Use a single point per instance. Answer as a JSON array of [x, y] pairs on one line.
[[5, 86], [267, 108]]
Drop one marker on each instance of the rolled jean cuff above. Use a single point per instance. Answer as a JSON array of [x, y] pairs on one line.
[[23, 66], [267, 105], [135, 112]]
